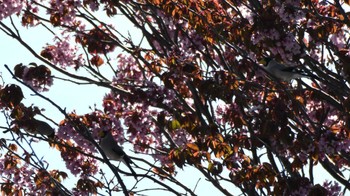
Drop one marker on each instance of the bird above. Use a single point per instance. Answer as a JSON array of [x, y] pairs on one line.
[[114, 152], [282, 71], [35, 126]]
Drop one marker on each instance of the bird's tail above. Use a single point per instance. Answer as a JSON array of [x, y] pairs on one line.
[[128, 162], [300, 72]]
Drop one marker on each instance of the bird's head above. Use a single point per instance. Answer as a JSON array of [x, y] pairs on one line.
[[265, 61], [102, 133]]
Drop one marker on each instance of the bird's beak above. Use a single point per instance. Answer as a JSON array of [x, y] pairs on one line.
[[262, 62], [102, 134]]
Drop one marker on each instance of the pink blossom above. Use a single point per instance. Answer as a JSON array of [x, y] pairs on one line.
[[257, 37], [302, 190], [66, 10], [75, 163], [220, 113], [36, 83], [333, 188], [316, 54], [226, 113], [288, 13], [246, 13], [339, 39], [164, 159], [94, 6], [21, 175], [128, 70], [10, 7], [290, 44], [181, 137], [63, 53]]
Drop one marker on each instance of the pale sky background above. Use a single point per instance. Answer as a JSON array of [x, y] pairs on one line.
[[79, 98]]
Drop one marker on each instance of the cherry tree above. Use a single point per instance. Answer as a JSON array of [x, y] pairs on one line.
[[189, 93]]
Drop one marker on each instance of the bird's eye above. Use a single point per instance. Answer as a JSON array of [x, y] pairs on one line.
[[267, 60]]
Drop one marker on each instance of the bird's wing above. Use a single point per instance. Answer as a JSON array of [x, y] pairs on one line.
[[43, 128], [294, 70], [290, 69], [128, 162], [126, 159], [114, 149], [118, 150]]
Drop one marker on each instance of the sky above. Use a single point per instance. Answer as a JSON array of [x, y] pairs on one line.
[[79, 98]]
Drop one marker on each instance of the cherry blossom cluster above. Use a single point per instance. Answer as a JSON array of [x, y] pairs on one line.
[[194, 91], [68, 132], [139, 123], [79, 164], [328, 188], [284, 45], [138, 118], [10, 7], [128, 71], [37, 77], [20, 176], [333, 137], [63, 53], [303, 188], [190, 43], [140, 126], [76, 133], [333, 188], [288, 11], [225, 114], [64, 12]]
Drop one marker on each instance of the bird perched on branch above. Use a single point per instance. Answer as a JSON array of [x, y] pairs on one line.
[[281, 71], [35, 126], [113, 151]]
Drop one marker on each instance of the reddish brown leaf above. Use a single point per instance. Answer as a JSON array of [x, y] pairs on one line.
[[193, 146], [55, 19], [11, 95], [96, 60]]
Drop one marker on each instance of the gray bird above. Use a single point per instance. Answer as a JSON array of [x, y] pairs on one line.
[[113, 151], [35, 126], [281, 71]]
